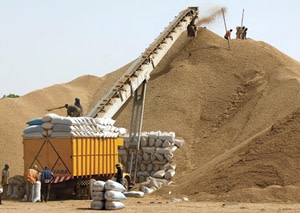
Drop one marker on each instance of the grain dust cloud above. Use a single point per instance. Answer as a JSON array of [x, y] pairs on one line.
[[216, 13]]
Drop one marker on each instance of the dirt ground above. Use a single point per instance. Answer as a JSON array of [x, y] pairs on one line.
[[150, 205]]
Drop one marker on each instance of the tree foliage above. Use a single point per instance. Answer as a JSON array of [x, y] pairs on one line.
[[10, 96]]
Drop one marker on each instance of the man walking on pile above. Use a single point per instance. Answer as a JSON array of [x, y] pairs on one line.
[[46, 177]]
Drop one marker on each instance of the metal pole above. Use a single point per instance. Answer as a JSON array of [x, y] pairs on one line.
[[225, 28], [242, 18], [224, 19]]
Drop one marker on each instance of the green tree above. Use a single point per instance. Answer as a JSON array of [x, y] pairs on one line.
[[10, 96]]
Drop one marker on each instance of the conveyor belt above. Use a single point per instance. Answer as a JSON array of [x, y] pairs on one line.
[[142, 67]]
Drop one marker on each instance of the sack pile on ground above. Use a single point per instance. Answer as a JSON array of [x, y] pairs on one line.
[[107, 195], [155, 158], [16, 187], [52, 125]]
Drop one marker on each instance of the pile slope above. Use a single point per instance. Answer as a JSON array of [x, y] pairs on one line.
[[222, 102]]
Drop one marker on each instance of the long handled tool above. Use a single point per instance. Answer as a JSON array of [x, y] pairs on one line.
[[225, 27], [56, 108]]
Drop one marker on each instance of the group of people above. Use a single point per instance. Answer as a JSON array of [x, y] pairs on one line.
[[75, 110], [38, 184], [241, 33], [4, 182]]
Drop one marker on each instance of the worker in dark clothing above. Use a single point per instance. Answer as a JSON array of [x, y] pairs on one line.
[[46, 179], [192, 28], [119, 175], [4, 180], [72, 110], [244, 34], [77, 103]]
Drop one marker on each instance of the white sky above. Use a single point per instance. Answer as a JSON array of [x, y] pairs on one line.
[[47, 42]]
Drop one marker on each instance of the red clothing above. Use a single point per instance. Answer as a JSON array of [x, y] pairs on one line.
[[228, 34]]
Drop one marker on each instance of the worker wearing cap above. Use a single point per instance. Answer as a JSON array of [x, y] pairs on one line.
[[4, 180], [119, 175]]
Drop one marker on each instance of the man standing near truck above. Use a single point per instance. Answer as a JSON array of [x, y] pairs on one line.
[[4, 180], [46, 177], [31, 176], [119, 175]]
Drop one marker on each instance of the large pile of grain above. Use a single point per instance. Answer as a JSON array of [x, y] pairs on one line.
[[229, 106]]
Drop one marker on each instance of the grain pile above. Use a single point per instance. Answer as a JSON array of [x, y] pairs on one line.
[[237, 111]]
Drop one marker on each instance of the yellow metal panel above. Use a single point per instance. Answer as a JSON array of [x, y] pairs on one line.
[[93, 156]]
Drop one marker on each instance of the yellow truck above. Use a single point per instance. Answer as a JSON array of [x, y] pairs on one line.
[[74, 161]]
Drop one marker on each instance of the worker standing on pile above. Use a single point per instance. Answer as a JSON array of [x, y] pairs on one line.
[[77, 103], [239, 31], [228, 34], [192, 28], [72, 110], [244, 34]]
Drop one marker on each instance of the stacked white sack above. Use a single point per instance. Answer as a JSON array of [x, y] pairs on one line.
[[107, 195], [97, 194], [155, 158], [52, 125]]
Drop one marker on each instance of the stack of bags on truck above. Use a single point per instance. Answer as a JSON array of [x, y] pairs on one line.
[[107, 195], [155, 159], [52, 125]]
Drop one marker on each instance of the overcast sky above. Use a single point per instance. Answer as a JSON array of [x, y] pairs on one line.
[[47, 42]]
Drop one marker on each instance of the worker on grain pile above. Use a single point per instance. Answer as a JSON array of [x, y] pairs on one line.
[[192, 28], [239, 31], [119, 175], [77, 103], [244, 34], [228, 34], [72, 110]]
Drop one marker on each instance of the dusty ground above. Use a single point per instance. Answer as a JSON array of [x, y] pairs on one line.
[[237, 110], [150, 205]]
